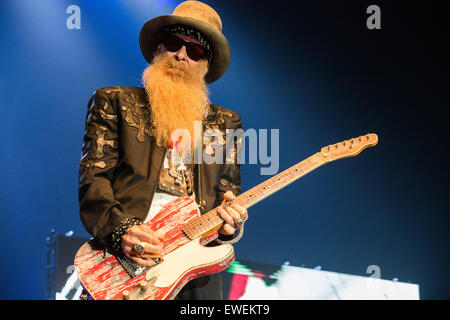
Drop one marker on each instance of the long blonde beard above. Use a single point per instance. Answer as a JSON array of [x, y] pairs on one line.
[[177, 95]]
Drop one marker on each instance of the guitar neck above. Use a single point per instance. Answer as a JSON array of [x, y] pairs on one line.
[[211, 220], [279, 181]]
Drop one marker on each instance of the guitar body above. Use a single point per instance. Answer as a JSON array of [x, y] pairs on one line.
[[105, 278]]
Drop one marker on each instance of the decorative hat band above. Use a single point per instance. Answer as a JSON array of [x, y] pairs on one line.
[[189, 32]]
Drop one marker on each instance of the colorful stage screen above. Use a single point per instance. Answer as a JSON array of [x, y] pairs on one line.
[[243, 280]]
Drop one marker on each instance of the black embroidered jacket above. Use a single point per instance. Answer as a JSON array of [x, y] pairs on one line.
[[120, 163]]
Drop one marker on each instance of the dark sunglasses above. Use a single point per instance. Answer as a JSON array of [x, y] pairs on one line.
[[193, 50]]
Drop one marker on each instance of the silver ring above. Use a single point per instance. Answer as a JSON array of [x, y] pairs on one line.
[[139, 248], [240, 223]]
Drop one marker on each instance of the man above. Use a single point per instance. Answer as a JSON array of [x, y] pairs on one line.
[[127, 172]]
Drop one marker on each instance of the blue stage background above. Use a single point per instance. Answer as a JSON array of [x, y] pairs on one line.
[[313, 71]]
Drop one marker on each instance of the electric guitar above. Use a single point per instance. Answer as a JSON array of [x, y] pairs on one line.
[[185, 257]]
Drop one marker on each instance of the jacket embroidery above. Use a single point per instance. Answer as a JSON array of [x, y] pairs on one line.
[[138, 116], [101, 142]]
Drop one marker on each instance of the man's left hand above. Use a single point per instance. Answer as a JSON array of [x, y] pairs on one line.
[[231, 215]]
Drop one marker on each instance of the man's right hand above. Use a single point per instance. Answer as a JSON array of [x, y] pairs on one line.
[[142, 234]]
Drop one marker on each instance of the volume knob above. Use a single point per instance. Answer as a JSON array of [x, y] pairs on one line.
[[143, 285], [126, 295]]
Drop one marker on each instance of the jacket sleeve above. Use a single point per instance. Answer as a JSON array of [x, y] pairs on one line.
[[100, 211], [230, 175]]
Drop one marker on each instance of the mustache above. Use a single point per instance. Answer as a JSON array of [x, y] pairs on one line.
[[174, 63]]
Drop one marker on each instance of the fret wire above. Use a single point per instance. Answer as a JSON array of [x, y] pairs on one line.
[[244, 195], [201, 225], [196, 227], [204, 221], [208, 218], [215, 217], [267, 184], [280, 180], [190, 229]]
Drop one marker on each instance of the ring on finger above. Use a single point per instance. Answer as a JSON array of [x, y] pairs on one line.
[[240, 223], [139, 248]]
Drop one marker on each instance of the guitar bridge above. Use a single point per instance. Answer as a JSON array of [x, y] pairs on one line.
[[132, 268]]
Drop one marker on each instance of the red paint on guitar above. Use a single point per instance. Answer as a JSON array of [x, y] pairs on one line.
[[105, 279]]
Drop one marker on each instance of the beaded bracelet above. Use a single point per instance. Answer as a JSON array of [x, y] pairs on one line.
[[120, 230]]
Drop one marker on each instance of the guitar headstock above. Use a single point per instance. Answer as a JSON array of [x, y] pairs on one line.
[[349, 148]]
